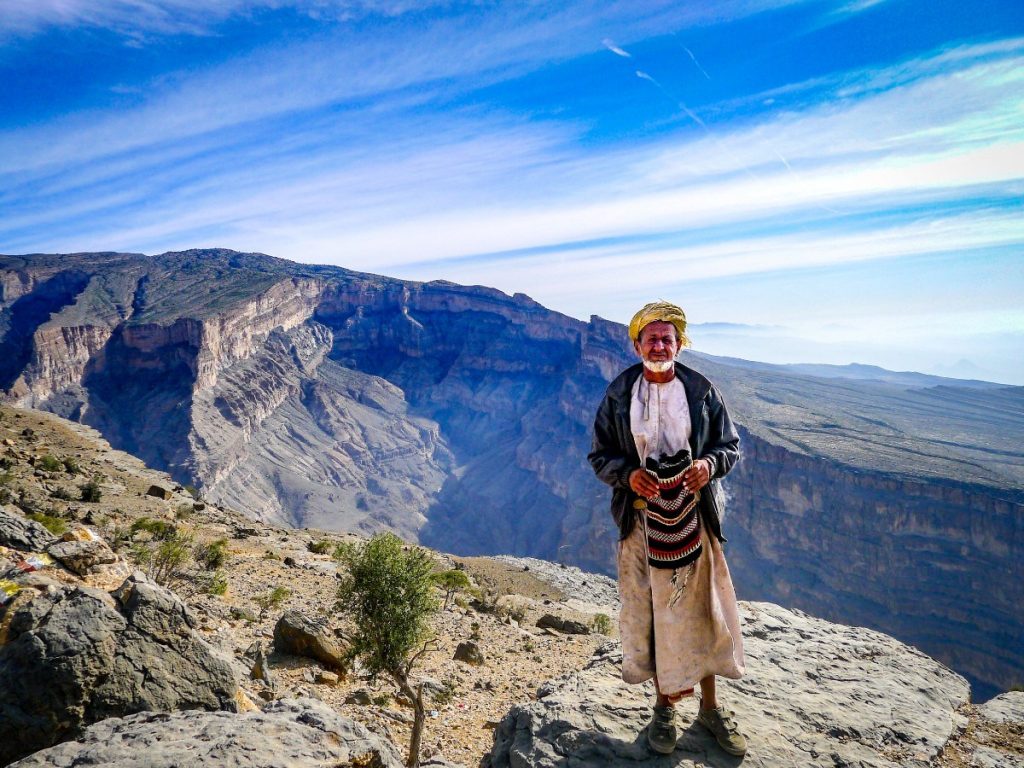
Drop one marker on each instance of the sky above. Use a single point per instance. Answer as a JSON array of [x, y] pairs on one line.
[[814, 181]]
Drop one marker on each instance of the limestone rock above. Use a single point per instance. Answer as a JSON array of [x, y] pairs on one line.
[[300, 635], [18, 532], [1007, 708], [82, 557], [566, 626], [299, 733], [815, 694], [159, 491], [76, 655], [469, 652], [360, 696], [1001, 732]]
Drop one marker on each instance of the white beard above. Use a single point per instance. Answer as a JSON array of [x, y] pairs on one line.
[[658, 366]]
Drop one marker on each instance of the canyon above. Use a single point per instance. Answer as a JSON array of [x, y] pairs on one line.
[[459, 416]]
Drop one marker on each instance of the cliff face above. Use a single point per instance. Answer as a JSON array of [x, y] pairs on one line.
[[934, 563], [314, 396]]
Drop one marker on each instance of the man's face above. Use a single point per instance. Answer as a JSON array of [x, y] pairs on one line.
[[657, 342]]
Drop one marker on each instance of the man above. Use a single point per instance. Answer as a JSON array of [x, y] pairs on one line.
[[679, 621]]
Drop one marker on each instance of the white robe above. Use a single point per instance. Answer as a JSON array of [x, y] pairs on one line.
[[699, 635]]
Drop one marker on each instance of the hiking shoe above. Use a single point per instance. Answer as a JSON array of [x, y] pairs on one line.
[[661, 732], [719, 721]]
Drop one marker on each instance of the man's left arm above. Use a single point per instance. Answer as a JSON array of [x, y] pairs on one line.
[[723, 443], [721, 448]]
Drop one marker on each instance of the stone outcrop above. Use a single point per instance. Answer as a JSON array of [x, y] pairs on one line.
[[461, 417], [76, 655], [300, 733], [815, 694], [300, 635], [18, 532]]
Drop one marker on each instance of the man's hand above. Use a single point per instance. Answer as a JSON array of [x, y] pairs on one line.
[[697, 476], [643, 484]]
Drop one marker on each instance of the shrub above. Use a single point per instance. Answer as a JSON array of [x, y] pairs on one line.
[[71, 466], [388, 595], [217, 584], [91, 490], [213, 555], [164, 560], [601, 624], [321, 547], [52, 523], [158, 530], [183, 511], [49, 463], [62, 493]]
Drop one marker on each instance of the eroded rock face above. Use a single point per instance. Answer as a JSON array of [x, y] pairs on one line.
[[75, 655], [815, 694], [300, 733]]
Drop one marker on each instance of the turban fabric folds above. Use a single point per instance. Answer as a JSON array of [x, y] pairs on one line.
[[660, 311]]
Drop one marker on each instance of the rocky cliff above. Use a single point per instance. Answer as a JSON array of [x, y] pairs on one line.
[[460, 415]]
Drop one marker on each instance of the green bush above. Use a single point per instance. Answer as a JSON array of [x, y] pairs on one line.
[[52, 523], [71, 466], [217, 584], [49, 463], [91, 490], [62, 493], [321, 547], [601, 624], [165, 560], [158, 530], [213, 555]]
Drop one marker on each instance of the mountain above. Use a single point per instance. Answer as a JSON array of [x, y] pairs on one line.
[[317, 396]]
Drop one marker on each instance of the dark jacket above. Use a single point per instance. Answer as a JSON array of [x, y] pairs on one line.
[[613, 452]]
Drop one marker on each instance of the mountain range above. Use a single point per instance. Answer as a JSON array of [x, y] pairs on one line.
[[459, 416]]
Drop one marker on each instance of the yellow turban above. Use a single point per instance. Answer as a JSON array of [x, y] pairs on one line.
[[660, 311]]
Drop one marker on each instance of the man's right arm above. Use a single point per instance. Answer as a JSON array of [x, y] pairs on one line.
[[610, 464]]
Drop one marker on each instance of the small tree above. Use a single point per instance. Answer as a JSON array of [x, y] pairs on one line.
[[451, 582], [271, 600], [388, 594]]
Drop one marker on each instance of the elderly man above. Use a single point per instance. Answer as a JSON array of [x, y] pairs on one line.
[[679, 621]]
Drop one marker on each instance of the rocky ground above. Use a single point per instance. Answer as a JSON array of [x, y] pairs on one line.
[[816, 694]]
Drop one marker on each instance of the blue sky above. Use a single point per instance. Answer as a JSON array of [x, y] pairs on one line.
[[814, 181]]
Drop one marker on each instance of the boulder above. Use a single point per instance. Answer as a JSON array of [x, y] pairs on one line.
[[82, 557], [999, 732], [815, 694], [300, 733], [469, 652], [76, 655], [18, 532], [566, 626], [300, 635], [159, 491]]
